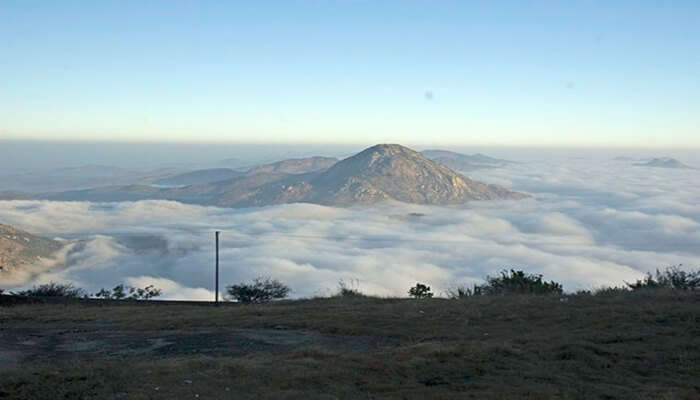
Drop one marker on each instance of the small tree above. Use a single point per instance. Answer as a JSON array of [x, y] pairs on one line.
[[420, 291], [261, 290], [53, 289]]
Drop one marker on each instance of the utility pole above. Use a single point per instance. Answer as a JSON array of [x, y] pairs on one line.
[[216, 298]]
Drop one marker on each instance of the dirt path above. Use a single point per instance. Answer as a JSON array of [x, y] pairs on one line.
[[31, 343]]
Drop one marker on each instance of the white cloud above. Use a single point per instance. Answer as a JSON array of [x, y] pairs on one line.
[[588, 226]]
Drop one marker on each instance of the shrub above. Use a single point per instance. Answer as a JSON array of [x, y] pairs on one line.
[[120, 293], [349, 289], [261, 290], [610, 291], [461, 292], [2, 291], [509, 282], [518, 282], [672, 277], [420, 291], [53, 289]]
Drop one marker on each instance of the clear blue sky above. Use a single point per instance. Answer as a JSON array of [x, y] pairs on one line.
[[446, 72]]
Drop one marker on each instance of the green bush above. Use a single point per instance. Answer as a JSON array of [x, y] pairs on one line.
[[420, 291], [122, 292], [53, 289], [461, 292], [672, 277], [518, 282], [261, 290], [509, 282], [349, 289]]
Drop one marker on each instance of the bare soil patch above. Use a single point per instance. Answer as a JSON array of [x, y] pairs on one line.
[[21, 344]]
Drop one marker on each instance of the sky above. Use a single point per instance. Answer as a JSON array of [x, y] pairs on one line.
[[507, 73]]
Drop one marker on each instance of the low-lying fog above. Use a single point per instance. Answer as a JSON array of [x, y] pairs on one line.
[[590, 223]]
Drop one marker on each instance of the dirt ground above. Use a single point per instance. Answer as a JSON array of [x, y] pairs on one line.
[[23, 344]]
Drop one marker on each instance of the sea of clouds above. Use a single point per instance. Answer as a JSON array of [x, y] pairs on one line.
[[589, 224]]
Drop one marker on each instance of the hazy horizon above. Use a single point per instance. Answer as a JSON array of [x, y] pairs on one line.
[[37, 155]]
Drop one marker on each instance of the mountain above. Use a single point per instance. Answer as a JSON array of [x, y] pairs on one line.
[[296, 165], [665, 163], [199, 176], [464, 162], [18, 248], [381, 172]]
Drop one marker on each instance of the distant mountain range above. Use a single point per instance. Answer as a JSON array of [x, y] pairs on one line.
[[381, 172], [295, 166], [12, 195], [199, 176], [19, 248], [464, 162], [664, 162], [291, 166]]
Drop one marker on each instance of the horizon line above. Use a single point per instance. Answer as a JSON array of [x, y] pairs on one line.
[[678, 146]]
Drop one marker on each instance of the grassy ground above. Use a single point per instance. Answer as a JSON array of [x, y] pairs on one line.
[[643, 345]]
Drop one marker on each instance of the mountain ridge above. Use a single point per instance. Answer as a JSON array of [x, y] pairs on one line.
[[464, 162], [664, 162], [378, 173]]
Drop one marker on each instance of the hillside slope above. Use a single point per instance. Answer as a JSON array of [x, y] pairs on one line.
[[19, 248]]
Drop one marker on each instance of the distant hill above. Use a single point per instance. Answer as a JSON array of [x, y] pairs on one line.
[[204, 176], [664, 163], [464, 162], [18, 248], [81, 177], [92, 170], [295, 166], [108, 193], [12, 195], [381, 172], [625, 158], [199, 177]]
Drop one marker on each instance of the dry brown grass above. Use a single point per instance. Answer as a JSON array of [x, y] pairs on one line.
[[642, 345]]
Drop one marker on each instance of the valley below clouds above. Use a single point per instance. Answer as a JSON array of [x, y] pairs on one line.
[[589, 224]]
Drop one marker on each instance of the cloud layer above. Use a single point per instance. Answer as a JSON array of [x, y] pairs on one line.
[[590, 224]]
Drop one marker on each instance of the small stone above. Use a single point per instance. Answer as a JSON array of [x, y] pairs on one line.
[[188, 382]]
